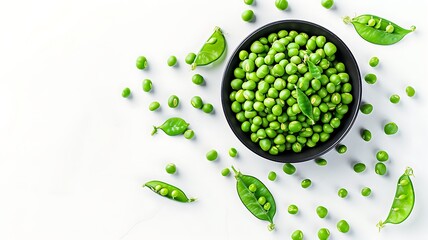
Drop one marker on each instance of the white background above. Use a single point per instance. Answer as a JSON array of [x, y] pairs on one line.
[[74, 153]]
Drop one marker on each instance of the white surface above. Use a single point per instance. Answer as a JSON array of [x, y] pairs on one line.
[[74, 153]]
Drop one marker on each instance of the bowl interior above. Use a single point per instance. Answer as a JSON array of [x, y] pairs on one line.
[[343, 54]]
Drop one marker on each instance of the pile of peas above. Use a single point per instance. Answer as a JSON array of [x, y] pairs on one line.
[[264, 96]]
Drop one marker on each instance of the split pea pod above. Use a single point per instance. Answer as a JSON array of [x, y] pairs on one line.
[[256, 197], [172, 127], [168, 191], [403, 202], [212, 50]]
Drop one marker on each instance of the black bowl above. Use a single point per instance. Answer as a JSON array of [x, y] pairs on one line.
[[343, 54]]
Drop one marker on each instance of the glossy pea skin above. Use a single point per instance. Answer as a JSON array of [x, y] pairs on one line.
[[327, 3], [225, 172], [281, 4], [374, 61], [380, 168], [154, 106], [341, 149], [189, 134], [196, 102], [306, 183], [126, 92], [395, 98], [297, 235], [147, 85], [382, 156], [366, 135], [198, 79], [212, 155], [233, 152], [321, 162], [247, 15], [323, 234], [343, 193], [342, 226], [141, 62], [289, 168], [370, 78], [390, 128], [172, 61], [366, 191], [207, 108], [190, 58], [410, 91], [321, 211], [248, 2], [272, 176], [366, 108], [173, 101], [359, 167], [293, 209], [170, 168]]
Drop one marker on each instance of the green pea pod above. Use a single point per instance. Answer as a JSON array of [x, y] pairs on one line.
[[313, 69], [172, 127], [403, 202], [212, 50], [250, 199], [378, 33], [171, 191], [304, 104]]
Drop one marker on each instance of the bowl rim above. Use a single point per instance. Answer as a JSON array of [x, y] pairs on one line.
[[334, 141]]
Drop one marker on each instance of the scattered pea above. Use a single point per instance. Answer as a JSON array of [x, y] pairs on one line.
[[321, 161], [141, 62], [366, 135], [410, 91], [306, 183], [289, 168], [395, 98], [247, 15], [343, 193], [359, 167], [147, 85], [341, 149], [233, 152], [272, 176], [382, 156], [321, 211], [281, 4], [343, 226], [374, 61], [225, 172], [171, 168], [327, 3], [173, 101], [189, 134], [380, 168], [154, 106], [366, 191], [207, 108], [293, 209], [212, 155], [172, 61], [249, 2], [366, 108], [190, 58], [196, 102], [370, 78], [297, 235], [198, 79], [323, 234], [126, 92], [390, 128]]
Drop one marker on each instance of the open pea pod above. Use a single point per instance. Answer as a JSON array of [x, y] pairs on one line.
[[263, 209], [173, 126], [212, 50], [168, 191], [378, 30]]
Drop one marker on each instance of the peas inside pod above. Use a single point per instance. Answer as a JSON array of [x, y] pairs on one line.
[[290, 92]]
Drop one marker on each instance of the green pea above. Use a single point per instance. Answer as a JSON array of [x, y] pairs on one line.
[[329, 49], [154, 106], [306, 183], [366, 135], [382, 156], [293, 209], [272, 176], [323, 234], [247, 15], [261, 200], [390, 128], [141, 62], [126, 92], [172, 61], [225, 172], [252, 187], [281, 4], [196, 102], [346, 98], [327, 3], [173, 101], [335, 122], [321, 211], [248, 2], [233, 152], [296, 147], [410, 91], [171, 168], [207, 108], [395, 98], [321, 161], [265, 144], [289, 168], [175, 193], [320, 41], [341, 149], [147, 85], [380, 168], [370, 78], [366, 191], [389, 28], [267, 206], [371, 22], [374, 61], [211, 155], [366, 108], [343, 193], [359, 167], [198, 79], [190, 58], [164, 191], [189, 134], [158, 188], [297, 235], [248, 65], [295, 126], [343, 226]]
